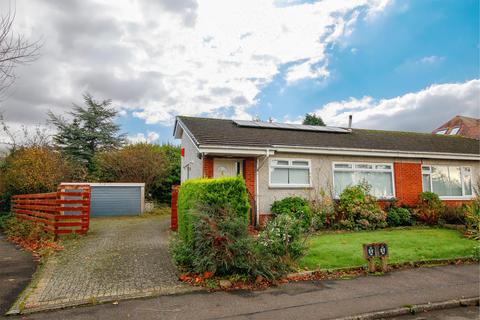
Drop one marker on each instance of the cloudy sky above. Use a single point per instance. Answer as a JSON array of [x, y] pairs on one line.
[[400, 65]]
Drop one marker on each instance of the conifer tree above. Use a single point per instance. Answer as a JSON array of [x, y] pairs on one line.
[[91, 130]]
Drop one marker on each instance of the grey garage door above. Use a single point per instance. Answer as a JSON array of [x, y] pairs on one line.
[[115, 200]]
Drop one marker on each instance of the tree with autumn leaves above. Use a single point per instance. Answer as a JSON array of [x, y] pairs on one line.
[[87, 147], [36, 169], [156, 166]]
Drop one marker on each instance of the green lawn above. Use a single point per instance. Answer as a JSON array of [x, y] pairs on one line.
[[338, 250]]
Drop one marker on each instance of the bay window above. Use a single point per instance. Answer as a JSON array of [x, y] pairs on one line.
[[290, 172], [448, 181], [378, 176]]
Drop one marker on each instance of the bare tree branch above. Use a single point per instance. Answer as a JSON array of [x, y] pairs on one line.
[[15, 49], [24, 137]]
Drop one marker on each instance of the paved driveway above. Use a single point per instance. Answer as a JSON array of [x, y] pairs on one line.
[[123, 257]]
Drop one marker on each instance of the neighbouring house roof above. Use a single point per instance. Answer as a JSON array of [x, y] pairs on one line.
[[460, 126], [220, 132]]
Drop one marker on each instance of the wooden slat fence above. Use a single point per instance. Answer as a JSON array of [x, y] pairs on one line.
[[61, 212]]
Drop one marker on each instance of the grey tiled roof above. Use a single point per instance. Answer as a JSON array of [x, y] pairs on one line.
[[221, 132]]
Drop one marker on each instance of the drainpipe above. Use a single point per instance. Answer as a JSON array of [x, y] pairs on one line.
[[267, 155]]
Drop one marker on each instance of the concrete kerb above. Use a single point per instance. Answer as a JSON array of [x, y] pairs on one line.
[[415, 309], [99, 300]]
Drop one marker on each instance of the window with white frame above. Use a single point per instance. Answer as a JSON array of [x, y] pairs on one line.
[[448, 181], [454, 131], [290, 172], [378, 176]]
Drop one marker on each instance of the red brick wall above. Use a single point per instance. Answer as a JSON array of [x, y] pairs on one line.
[[263, 218], [408, 185], [249, 174], [208, 167], [456, 203], [408, 182]]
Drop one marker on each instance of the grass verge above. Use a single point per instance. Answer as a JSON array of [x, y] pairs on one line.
[[342, 250]]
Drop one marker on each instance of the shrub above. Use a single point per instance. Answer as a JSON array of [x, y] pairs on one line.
[[162, 189], [281, 238], [221, 245], [228, 193], [322, 207], [36, 170], [296, 206], [25, 230], [4, 218], [429, 209], [472, 219], [357, 209], [182, 253], [398, 216], [140, 162], [452, 215]]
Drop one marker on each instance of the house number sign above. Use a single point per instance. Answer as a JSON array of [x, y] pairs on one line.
[[376, 250]]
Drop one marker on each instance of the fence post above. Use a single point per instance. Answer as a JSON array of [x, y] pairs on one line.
[[57, 213], [86, 212]]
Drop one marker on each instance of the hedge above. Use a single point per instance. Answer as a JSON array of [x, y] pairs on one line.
[[222, 192]]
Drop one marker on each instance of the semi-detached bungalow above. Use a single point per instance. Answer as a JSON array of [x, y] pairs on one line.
[[279, 160]]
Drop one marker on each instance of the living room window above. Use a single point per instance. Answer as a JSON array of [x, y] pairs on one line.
[[289, 173], [448, 181], [379, 176]]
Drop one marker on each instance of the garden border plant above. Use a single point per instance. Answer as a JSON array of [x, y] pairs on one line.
[[214, 241], [31, 236], [357, 209]]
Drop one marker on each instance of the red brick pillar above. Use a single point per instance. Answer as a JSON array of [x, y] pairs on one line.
[[408, 182], [208, 167], [249, 174], [174, 213]]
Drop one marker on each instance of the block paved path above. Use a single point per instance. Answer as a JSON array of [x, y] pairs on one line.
[[121, 257], [302, 300]]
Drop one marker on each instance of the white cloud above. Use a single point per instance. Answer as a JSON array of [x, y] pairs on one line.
[[177, 57], [424, 64], [431, 59], [417, 111], [141, 138]]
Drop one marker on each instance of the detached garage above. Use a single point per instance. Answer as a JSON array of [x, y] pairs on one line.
[[116, 199]]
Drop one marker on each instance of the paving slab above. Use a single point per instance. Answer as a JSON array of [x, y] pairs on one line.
[[120, 258]]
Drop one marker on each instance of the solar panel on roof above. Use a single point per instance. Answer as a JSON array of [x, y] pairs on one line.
[[288, 126]]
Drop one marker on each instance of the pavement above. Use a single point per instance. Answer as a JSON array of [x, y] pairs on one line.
[[120, 258], [301, 300], [16, 270]]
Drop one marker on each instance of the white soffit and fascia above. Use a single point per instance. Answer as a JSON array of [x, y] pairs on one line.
[[334, 151]]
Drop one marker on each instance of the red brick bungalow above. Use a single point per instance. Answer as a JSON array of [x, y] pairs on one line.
[[279, 160]]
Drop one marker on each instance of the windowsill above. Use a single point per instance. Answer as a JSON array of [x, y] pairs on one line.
[[286, 186], [378, 199], [457, 198]]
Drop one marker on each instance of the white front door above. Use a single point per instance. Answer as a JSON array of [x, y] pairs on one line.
[[226, 167]]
